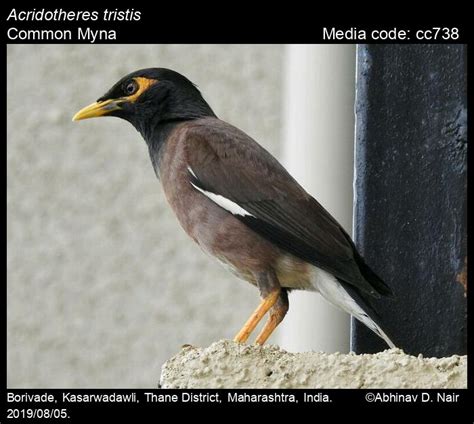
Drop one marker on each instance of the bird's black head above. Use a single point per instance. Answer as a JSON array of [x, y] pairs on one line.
[[149, 97]]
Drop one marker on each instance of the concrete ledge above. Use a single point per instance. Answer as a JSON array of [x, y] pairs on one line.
[[226, 364]]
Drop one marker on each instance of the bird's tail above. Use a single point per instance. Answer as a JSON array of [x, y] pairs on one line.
[[350, 299], [362, 310], [376, 282]]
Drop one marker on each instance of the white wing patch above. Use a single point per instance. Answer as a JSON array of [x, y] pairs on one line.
[[192, 172], [222, 201]]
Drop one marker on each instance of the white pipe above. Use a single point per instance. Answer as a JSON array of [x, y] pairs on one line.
[[319, 153]]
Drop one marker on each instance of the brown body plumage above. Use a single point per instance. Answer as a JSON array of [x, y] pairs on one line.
[[239, 204]]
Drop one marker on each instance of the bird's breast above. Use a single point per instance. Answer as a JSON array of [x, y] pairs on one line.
[[204, 221], [213, 228], [221, 234]]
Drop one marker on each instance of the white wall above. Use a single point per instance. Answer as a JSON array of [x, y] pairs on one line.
[[318, 151]]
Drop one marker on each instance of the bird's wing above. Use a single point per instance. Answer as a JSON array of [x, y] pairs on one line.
[[241, 176]]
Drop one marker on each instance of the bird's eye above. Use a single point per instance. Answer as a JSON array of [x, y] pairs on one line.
[[131, 88]]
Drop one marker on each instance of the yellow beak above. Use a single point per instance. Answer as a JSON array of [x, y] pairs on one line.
[[97, 109]]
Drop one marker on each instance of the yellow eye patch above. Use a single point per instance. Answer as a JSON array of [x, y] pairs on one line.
[[143, 85]]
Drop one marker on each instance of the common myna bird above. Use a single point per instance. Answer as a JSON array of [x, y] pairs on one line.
[[239, 204]]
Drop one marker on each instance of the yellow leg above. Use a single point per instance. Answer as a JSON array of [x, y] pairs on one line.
[[257, 316], [277, 313], [266, 332]]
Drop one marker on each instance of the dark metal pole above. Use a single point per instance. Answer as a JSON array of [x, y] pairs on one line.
[[411, 204]]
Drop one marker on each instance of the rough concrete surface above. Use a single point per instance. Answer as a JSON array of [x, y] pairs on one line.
[[226, 364], [103, 284]]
